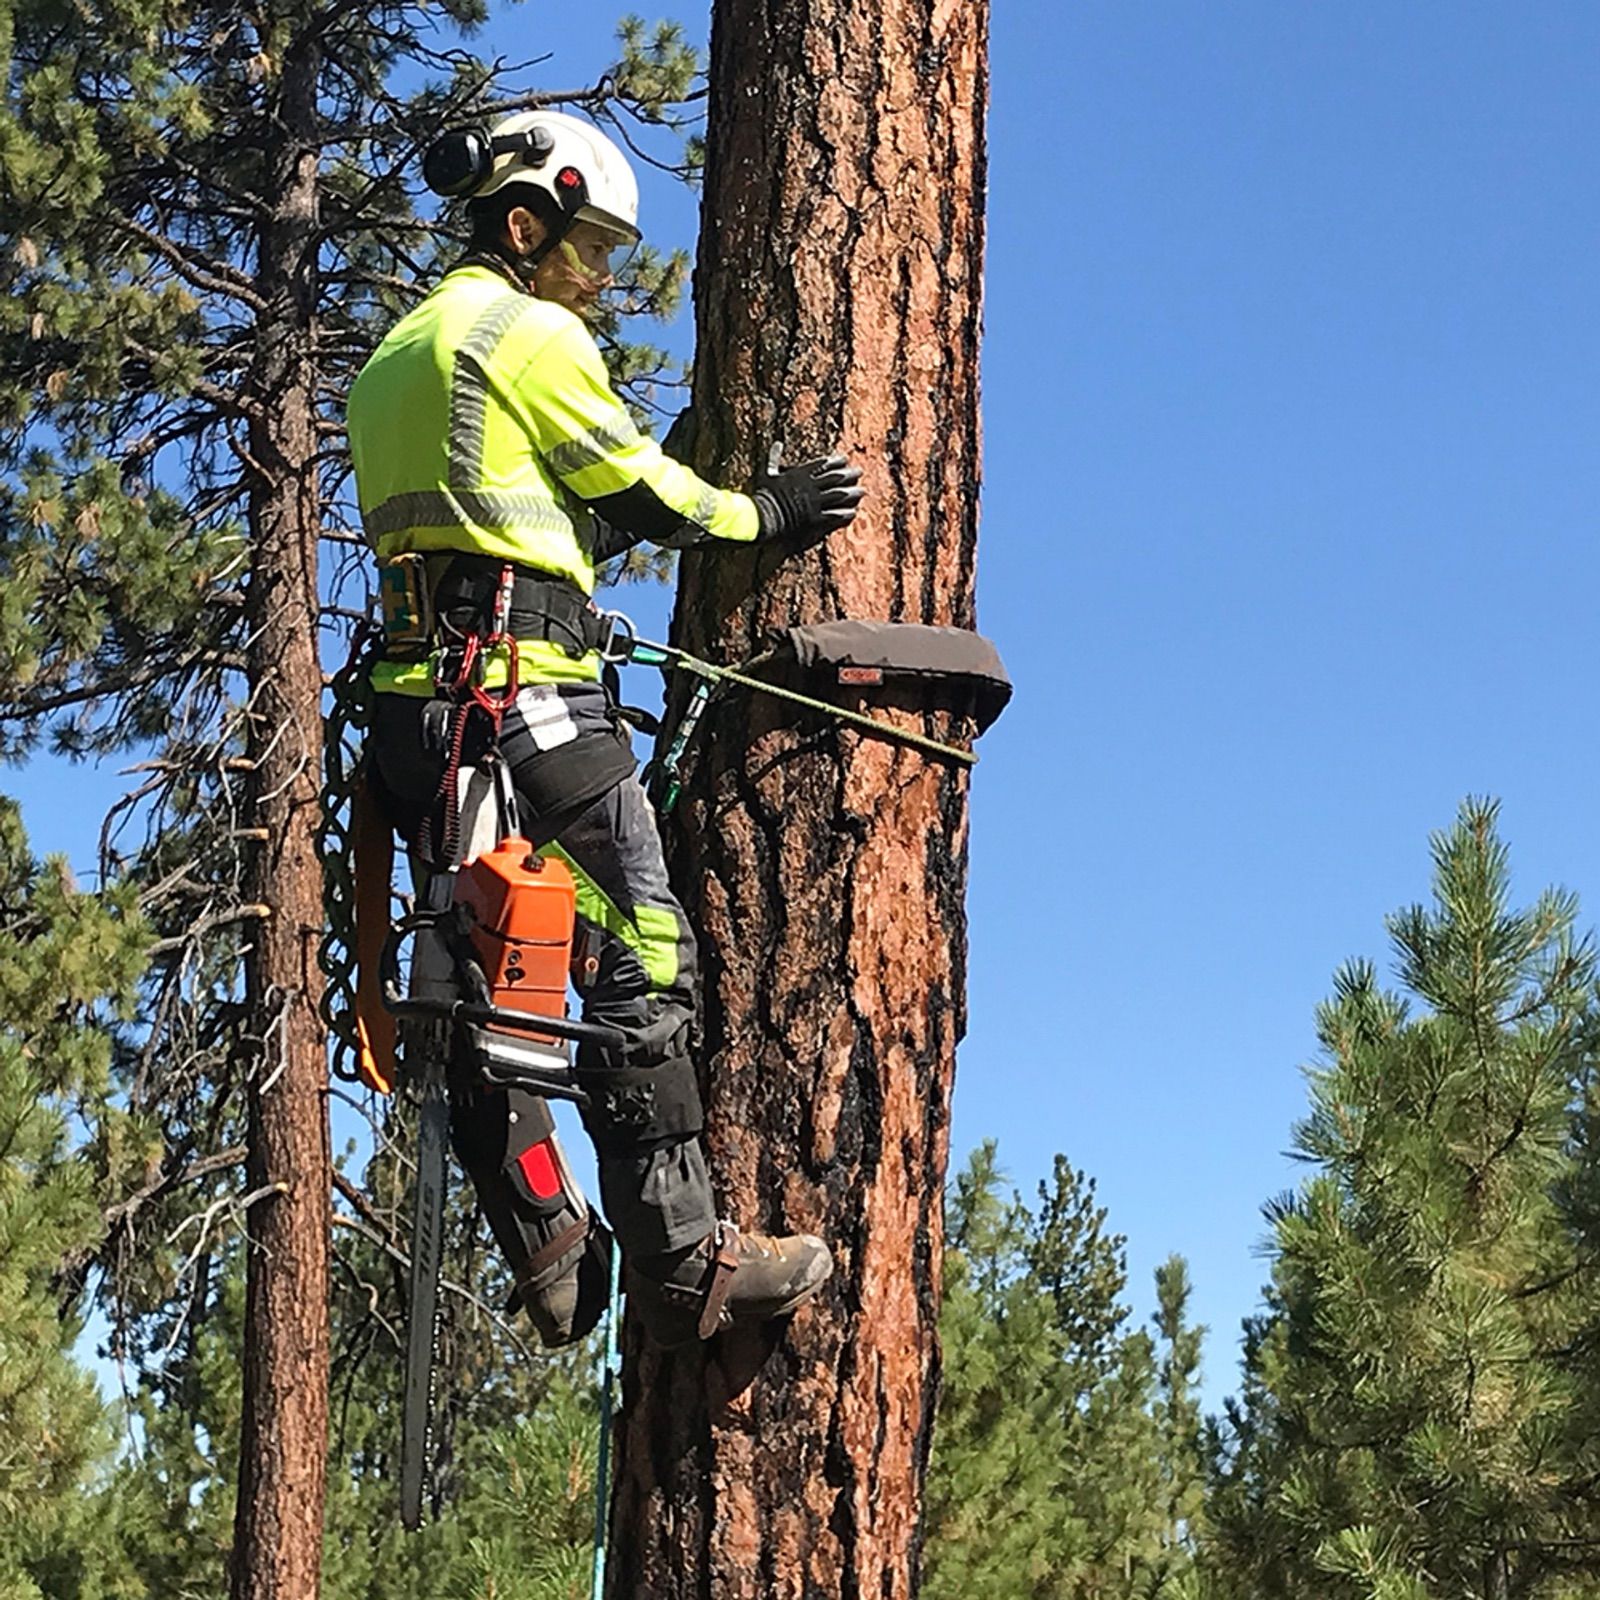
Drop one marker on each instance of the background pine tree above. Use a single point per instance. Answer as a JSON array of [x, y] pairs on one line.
[[1417, 1417], [1066, 1458], [209, 219], [68, 965]]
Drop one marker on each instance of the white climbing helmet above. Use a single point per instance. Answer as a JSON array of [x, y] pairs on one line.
[[572, 160]]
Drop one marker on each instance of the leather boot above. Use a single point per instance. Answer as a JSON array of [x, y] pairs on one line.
[[566, 1287], [729, 1276]]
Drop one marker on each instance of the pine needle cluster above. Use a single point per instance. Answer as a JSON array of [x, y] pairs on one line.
[[1067, 1457]]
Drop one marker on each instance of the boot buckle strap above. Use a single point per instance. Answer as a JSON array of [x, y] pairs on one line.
[[719, 1277]]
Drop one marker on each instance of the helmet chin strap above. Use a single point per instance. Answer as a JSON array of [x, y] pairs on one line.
[[525, 263]]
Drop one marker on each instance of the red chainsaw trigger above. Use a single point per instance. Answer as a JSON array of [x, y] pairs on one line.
[[539, 1168]]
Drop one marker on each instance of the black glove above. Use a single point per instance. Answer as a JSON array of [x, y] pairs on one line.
[[806, 503]]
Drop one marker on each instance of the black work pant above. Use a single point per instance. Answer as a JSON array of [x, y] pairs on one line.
[[561, 743]]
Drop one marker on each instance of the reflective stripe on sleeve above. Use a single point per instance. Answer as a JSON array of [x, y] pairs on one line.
[[594, 446], [469, 389], [705, 509]]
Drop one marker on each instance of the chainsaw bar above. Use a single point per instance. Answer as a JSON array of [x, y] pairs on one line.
[[431, 1042]]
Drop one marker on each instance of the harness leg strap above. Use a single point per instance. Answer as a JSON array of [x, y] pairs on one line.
[[634, 1109]]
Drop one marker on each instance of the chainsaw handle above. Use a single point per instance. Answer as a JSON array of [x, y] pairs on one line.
[[547, 1085], [456, 1009], [595, 1033]]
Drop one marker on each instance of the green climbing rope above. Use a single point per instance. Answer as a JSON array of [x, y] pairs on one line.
[[664, 772], [610, 1375]]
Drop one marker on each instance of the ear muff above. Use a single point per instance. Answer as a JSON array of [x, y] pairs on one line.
[[458, 161], [462, 159]]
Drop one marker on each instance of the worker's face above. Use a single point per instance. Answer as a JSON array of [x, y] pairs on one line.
[[578, 270]]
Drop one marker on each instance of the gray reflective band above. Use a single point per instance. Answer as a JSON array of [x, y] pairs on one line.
[[469, 389], [705, 508], [590, 449], [491, 509]]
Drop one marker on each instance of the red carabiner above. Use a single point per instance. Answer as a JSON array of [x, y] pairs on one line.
[[461, 682], [496, 705]]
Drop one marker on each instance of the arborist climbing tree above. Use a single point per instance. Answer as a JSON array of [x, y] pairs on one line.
[[208, 211], [837, 297], [495, 468]]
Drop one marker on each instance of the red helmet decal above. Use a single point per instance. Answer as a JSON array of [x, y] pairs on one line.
[[569, 177]]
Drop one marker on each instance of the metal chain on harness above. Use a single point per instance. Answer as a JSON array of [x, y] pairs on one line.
[[345, 727]]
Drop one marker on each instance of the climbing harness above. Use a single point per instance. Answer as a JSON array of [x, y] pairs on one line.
[[856, 652]]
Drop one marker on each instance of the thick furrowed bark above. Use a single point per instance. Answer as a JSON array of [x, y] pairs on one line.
[[838, 297], [277, 1550]]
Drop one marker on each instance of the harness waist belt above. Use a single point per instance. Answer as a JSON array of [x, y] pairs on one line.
[[461, 594]]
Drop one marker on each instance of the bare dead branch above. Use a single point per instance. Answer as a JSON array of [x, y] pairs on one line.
[[204, 273]]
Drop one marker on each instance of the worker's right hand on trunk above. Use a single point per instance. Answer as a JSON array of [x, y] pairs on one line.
[[800, 505]]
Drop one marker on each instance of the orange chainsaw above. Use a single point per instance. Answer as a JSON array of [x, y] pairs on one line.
[[491, 947]]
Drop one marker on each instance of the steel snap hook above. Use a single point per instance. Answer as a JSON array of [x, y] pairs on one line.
[[621, 636]]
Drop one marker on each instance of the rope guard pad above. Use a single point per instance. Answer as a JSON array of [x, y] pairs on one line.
[[861, 654]]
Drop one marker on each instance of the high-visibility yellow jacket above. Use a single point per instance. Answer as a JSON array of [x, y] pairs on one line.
[[486, 422]]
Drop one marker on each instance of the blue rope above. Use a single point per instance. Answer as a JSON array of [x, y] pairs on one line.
[[610, 1369]]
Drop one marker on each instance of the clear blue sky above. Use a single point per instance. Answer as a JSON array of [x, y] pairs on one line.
[[1288, 539]]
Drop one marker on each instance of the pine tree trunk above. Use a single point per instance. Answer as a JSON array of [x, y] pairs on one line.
[[277, 1550], [838, 301]]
